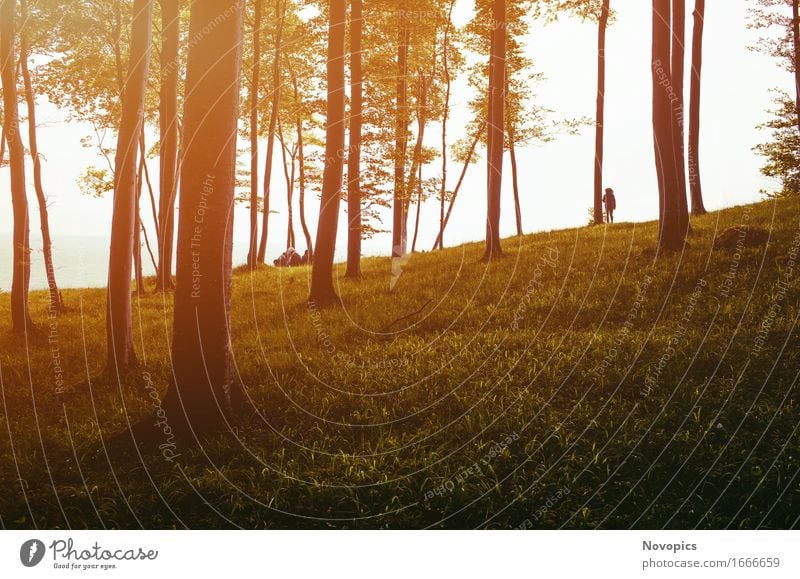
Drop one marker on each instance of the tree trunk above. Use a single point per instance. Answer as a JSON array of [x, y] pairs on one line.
[[440, 237], [20, 316], [206, 394], [322, 291], [496, 129], [670, 232], [445, 117], [600, 115], [252, 254], [301, 172], [796, 43], [419, 210], [168, 152], [515, 181], [280, 10], [56, 303], [289, 176], [422, 121], [399, 223], [695, 182], [121, 356], [678, 73], [137, 232], [354, 153]]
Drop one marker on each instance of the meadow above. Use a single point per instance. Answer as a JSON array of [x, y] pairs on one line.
[[583, 381]]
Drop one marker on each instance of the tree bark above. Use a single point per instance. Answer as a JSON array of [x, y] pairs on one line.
[[280, 10], [670, 231], [137, 231], [515, 181], [695, 182], [255, 81], [301, 172], [322, 291], [20, 316], [289, 176], [422, 122], [445, 117], [496, 129], [169, 141], [678, 108], [205, 394], [56, 305], [399, 222], [121, 356], [600, 114], [354, 233], [419, 210], [796, 43]]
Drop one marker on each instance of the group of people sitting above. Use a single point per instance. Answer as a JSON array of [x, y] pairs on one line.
[[291, 258]]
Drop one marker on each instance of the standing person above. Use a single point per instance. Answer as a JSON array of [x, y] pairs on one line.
[[611, 204]]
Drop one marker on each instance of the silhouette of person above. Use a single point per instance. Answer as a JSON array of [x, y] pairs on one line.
[[611, 204]]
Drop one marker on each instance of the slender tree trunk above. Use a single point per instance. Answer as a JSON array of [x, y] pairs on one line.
[[476, 139], [322, 291], [419, 210], [422, 121], [206, 394], [671, 234], [301, 172], [3, 146], [399, 223], [290, 240], [20, 316], [121, 356], [515, 181], [137, 232], [678, 109], [168, 152], [445, 118], [255, 81], [280, 10], [354, 153], [600, 115], [695, 182], [496, 128], [796, 43], [56, 303]]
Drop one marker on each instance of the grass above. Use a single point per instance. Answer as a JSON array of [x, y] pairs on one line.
[[583, 381]]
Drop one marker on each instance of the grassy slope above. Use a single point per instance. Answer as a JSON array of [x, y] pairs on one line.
[[454, 417]]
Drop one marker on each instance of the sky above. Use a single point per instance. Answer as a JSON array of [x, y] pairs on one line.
[[556, 178]]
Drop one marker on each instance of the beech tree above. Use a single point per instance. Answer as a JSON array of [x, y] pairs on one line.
[[20, 280], [56, 302], [678, 73], [695, 182], [280, 18], [354, 234], [205, 395], [255, 83], [496, 129], [121, 356], [602, 25], [672, 226], [169, 143], [322, 291]]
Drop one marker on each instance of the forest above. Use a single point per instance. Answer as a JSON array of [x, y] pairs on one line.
[[615, 375]]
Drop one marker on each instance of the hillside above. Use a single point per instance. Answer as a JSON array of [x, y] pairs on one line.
[[583, 381]]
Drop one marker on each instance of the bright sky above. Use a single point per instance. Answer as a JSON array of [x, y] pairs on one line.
[[556, 179]]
